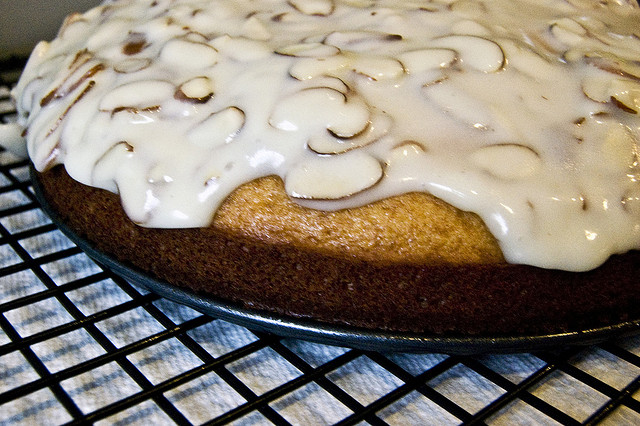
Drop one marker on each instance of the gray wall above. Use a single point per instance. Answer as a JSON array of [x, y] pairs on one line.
[[25, 22]]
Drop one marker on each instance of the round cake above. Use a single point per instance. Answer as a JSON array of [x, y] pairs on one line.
[[449, 167]]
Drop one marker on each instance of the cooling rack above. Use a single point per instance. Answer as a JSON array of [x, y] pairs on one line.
[[81, 345]]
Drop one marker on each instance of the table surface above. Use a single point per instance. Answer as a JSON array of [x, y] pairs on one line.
[[79, 344]]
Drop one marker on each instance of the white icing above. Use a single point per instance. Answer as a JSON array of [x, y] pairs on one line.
[[526, 112], [12, 140]]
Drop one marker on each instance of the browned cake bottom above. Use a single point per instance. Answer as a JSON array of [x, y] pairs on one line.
[[337, 275]]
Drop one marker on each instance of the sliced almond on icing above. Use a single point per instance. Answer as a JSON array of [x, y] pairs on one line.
[[409, 145], [241, 48], [403, 157], [104, 34], [131, 65], [528, 61], [573, 55], [85, 71], [197, 90], [360, 41], [313, 7], [373, 67], [568, 31], [329, 143], [378, 68], [596, 88], [74, 26], [610, 146], [283, 17], [507, 161], [465, 7], [311, 110], [623, 93], [188, 54], [416, 61], [308, 50], [614, 64], [620, 147], [334, 177], [254, 29], [470, 27], [477, 53], [308, 68], [195, 37], [626, 95], [218, 129], [134, 44], [314, 38], [79, 59], [459, 105], [102, 172], [327, 81], [49, 147], [69, 20], [360, 3], [139, 94]]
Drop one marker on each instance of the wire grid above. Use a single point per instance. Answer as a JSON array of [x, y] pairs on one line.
[[80, 345]]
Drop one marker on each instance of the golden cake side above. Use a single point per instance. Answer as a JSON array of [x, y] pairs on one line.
[[490, 298]]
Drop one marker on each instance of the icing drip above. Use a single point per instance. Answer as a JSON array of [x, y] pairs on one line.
[[526, 113]]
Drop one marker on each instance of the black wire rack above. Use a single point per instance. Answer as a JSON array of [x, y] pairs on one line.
[[80, 345]]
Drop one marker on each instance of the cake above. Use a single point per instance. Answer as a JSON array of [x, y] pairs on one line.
[[442, 167]]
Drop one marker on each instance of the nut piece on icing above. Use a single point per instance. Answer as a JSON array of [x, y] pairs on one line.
[[335, 177], [134, 44], [313, 7], [84, 71], [378, 68], [102, 36], [403, 157], [620, 147], [596, 88], [131, 65], [240, 48], [615, 145], [73, 25], [568, 31], [360, 41], [470, 27], [614, 65], [626, 95], [373, 67], [623, 93], [139, 95], [459, 105], [253, 29], [477, 53], [360, 3], [308, 68], [197, 90], [528, 62], [507, 161], [329, 143], [416, 61], [218, 129], [188, 54], [308, 50], [312, 110]]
